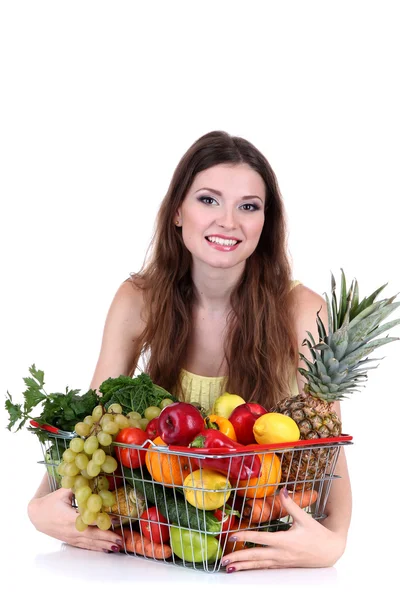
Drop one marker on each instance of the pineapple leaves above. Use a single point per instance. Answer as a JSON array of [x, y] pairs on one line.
[[369, 325], [355, 301], [343, 300], [337, 364], [368, 301], [354, 357], [328, 306]]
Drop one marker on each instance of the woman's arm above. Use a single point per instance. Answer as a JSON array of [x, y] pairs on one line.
[[339, 504], [52, 512]]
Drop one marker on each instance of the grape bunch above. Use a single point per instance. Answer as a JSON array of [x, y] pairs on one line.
[[87, 462]]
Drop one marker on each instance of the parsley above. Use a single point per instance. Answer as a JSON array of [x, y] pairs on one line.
[[60, 410]]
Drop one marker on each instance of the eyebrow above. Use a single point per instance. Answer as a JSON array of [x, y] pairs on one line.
[[220, 194]]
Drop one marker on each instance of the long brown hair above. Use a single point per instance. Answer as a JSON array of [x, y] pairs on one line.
[[260, 343]]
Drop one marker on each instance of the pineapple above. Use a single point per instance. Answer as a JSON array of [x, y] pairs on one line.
[[337, 369]]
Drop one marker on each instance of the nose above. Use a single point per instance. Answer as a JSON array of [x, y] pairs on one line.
[[227, 218]]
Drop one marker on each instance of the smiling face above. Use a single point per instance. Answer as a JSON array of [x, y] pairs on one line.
[[222, 215]]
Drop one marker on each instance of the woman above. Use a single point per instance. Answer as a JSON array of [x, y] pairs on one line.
[[214, 309]]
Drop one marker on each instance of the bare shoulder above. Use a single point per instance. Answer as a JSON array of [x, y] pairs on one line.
[[123, 327], [307, 303], [128, 303], [305, 297]]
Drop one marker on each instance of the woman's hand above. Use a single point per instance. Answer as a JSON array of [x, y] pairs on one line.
[[306, 544], [53, 515]]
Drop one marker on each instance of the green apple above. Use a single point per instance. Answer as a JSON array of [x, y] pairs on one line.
[[226, 404]]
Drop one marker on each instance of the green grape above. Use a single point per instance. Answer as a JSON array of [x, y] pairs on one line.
[[94, 503], [107, 497], [99, 456], [152, 412], [82, 429], [79, 524], [97, 413], [88, 420], [91, 444], [104, 439], [115, 408], [81, 461], [109, 465], [110, 427], [81, 506], [106, 418], [86, 475], [102, 483], [166, 402], [89, 517], [76, 445], [67, 482], [80, 481], [93, 469], [143, 423], [134, 415], [134, 423], [121, 421], [60, 469], [69, 456], [71, 469], [82, 494], [103, 521]]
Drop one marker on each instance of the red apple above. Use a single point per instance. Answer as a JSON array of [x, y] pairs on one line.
[[179, 423], [152, 429], [243, 419]]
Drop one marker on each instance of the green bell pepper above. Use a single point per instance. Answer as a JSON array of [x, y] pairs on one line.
[[194, 546]]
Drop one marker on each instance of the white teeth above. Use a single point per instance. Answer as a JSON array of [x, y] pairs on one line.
[[222, 241]]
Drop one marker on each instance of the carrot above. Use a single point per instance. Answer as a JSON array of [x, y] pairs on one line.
[[265, 509], [138, 544]]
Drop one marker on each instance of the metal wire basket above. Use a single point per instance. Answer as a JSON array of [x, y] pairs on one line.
[[189, 486]]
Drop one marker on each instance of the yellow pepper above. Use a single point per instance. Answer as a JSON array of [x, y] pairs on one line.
[[206, 489], [221, 424]]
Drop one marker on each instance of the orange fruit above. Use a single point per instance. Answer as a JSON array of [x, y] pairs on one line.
[[270, 475], [167, 468]]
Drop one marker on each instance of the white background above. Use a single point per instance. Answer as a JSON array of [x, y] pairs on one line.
[[99, 101]]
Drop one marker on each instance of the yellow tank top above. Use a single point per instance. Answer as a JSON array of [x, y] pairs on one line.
[[205, 390]]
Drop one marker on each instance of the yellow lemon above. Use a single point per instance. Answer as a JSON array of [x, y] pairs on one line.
[[274, 428], [226, 404], [206, 489]]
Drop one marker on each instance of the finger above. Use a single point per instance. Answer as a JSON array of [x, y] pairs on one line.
[[96, 539], [263, 538], [64, 494], [251, 564], [249, 555], [292, 508]]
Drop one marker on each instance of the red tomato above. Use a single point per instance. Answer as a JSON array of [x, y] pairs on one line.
[[151, 528], [131, 457]]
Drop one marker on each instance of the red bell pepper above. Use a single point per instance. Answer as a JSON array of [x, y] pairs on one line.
[[235, 467], [229, 520]]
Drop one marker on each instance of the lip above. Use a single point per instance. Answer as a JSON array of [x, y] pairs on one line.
[[224, 237], [223, 248]]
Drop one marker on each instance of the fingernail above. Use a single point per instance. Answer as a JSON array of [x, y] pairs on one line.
[[119, 542], [285, 492], [233, 538], [225, 562], [230, 569], [115, 548]]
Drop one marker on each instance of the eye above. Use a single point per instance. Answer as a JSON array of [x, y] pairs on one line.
[[204, 199], [252, 208]]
